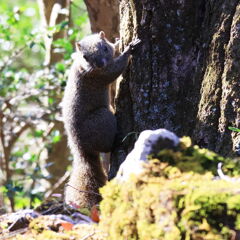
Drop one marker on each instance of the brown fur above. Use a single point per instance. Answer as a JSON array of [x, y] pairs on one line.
[[90, 125]]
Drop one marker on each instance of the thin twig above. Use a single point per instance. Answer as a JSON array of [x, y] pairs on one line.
[[13, 234], [6, 151], [57, 184], [5, 157], [17, 135], [87, 236], [12, 57], [2, 142], [91, 192]]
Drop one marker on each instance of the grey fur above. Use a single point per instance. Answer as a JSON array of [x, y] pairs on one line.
[[89, 123]]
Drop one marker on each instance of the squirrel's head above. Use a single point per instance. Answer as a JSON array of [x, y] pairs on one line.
[[96, 50]]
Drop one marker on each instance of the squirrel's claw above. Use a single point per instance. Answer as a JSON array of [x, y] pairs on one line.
[[134, 44]]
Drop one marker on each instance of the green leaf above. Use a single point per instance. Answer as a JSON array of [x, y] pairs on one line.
[[63, 24], [42, 45], [56, 139], [234, 129], [50, 100], [36, 201], [33, 158], [38, 133], [56, 136], [32, 44], [21, 202], [60, 67], [3, 189]]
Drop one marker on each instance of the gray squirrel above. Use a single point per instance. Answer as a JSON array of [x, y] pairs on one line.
[[90, 125]]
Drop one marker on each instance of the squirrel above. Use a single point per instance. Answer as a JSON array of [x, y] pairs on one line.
[[90, 125]]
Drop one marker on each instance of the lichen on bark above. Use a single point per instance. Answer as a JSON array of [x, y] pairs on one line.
[[184, 77]]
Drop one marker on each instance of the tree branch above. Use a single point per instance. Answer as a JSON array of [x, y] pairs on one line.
[[17, 135], [2, 143]]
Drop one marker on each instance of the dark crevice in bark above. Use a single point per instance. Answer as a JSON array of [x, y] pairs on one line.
[[125, 125], [190, 89]]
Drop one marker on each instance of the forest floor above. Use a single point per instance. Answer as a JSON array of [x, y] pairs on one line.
[[52, 220]]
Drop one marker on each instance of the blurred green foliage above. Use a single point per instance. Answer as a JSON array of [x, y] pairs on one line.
[[19, 23], [30, 96]]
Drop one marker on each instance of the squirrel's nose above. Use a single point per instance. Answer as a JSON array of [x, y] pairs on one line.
[[101, 62]]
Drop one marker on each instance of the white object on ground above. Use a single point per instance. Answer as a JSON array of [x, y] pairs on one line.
[[142, 148]]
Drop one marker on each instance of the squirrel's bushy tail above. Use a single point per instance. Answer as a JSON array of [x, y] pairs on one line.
[[86, 178]]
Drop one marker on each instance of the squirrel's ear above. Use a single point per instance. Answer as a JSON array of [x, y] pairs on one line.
[[78, 46], [102, 34]]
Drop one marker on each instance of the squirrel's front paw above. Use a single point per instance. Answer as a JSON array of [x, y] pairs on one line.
[[134, 45]]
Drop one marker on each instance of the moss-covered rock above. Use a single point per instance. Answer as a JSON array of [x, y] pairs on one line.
[[177, 197]]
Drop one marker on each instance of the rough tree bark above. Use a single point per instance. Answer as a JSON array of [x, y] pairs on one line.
[[185, 77]]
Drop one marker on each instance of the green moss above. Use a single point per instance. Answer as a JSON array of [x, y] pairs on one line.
[[177, 197], [200, 160], [47, 234]]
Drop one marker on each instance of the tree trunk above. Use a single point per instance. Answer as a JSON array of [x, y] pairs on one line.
[[51, 15], [185, 76], [104, 16], [58, 154]]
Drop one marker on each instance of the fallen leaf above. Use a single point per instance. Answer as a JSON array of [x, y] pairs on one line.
[[95, 213], [67, 226]]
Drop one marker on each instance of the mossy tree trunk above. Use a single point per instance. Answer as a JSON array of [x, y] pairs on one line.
[[185, 76]]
